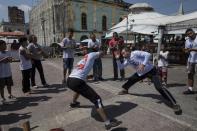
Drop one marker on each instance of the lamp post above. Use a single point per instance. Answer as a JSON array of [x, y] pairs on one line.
[[161, 32], [127, 29], [43, 29]]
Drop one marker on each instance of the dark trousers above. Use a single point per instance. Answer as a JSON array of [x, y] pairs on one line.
[[115, 67], [26, 75], [97, 69], [79, 86], [37, 64], [155, 79]]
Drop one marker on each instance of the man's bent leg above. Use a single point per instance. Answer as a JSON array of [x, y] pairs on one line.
[[131, 81]]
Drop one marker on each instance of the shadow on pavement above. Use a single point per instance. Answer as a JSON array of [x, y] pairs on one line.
[[153, 96], [170, 85], [13, 118], [54, 88], [114, 110], [15, 129], [23, 102], [120, 129]]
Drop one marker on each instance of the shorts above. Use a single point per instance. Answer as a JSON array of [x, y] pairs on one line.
[[68, 63], [80, 86], [191, 68], [6, 81]]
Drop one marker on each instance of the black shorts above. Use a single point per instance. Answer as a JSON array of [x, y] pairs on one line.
[[6, 82], [80, 86], [68, 63]]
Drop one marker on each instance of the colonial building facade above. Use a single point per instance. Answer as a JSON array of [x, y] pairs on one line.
[[51, 19]]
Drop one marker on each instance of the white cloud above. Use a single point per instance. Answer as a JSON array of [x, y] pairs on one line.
[[26, 9]]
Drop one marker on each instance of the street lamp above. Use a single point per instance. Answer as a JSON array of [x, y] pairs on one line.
[[127, 30], [43, 28]]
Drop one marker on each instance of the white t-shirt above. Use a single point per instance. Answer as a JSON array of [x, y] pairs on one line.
[[69, 51], [163, 60], [137, 58], [5, 69], [25, 64], [192, 44], [84, 66], [92, 44]]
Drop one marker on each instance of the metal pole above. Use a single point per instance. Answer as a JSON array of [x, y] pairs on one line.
[[127, 30], [64, 6], [43, 29], [161, 31], [53, 23]]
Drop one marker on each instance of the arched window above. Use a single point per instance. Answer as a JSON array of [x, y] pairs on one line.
[[120, 19], [83, 21], [104, 23]]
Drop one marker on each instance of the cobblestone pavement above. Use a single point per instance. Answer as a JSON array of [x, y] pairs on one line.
[[141, 110]]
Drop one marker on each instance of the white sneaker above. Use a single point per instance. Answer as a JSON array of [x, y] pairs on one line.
[[46, 85], [35, 86]]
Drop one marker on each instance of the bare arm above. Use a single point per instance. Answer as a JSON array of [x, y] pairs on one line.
[[6, 60], [27, 55]]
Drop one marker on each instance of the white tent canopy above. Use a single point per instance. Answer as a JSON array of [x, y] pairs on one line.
[[137, 22], [148, 22]]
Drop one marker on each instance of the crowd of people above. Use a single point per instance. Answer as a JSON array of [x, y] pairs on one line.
[[31, 53]]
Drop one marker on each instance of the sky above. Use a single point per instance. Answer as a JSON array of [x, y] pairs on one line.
[[168, 7]]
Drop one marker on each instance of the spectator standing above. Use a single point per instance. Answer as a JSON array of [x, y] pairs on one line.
[[94, 45], [68, 45], [36, 50], [5, 71], [116, 44], [25, 65], [191, 49], [163, 65]]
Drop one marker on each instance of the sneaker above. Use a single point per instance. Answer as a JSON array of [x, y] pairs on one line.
[[177, 109], [46, 85], [11, 97], [28, 94], [113, 123], [123, 92], [74, 104], [114, 79], [101, 79], [35, 86], [122, 79], [3, 101], [188, 92]]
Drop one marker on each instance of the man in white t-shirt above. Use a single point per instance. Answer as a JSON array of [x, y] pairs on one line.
[[5, 71], [191, 48], [76, 82], [139, 60], [94, 45], [68, 45], [25, 65], [163, 65]]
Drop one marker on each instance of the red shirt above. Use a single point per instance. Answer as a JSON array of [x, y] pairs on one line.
[[113, 42]]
